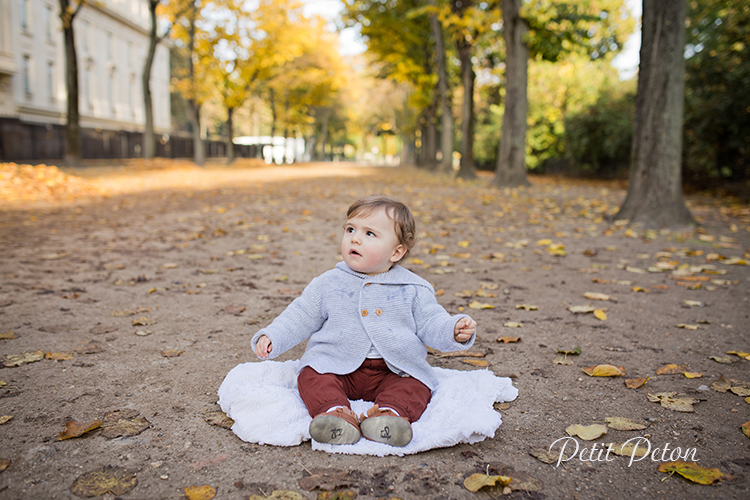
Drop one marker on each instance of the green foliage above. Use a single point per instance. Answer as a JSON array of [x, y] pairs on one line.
[[599, 137], [597, 28], [716, 144]]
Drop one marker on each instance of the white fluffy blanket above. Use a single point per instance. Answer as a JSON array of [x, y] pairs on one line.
[[263, 400]]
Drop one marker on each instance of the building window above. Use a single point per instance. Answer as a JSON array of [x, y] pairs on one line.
[[23, 12], [51, 80], [85, 36], [86, 94], [48, 21], [112, 92], [27, 75]]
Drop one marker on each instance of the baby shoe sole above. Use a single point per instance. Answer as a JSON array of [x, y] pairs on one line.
[[387, 429], [333, 430]]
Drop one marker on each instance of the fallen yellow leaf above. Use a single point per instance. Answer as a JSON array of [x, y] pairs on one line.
[[692, 374], [587, 432], [513, 324], [509, 340], [204, 492], [692, 471], [480, 305], [597, 296], [604, 371], [475, 482], [670, 369], [600, 315]]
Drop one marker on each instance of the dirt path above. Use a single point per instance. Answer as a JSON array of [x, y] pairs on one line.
[[183, 251]]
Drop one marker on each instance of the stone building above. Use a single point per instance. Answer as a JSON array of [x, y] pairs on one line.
[[111, 43]]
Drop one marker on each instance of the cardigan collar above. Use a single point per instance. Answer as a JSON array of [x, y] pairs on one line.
[[397, 275]]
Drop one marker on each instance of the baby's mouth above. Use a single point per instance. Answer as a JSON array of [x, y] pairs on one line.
[[354, 252]]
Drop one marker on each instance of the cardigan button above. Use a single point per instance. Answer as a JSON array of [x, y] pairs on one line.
[[379, 312], [364, 312]]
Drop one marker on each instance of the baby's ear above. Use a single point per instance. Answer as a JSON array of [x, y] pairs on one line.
[[398, 253]]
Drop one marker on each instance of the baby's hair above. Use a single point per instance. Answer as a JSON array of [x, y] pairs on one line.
[[404, 223]]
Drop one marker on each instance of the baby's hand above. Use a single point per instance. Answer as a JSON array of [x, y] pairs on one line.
[[464, 329], [263, 348]]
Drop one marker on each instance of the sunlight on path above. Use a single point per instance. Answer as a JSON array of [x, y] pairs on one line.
[[126, 182]]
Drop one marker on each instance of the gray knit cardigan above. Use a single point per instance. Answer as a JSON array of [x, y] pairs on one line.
[[344, 313]]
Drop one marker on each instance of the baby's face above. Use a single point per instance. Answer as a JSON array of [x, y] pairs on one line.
[[370, 244]]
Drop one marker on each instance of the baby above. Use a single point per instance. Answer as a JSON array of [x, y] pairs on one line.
[[368, 322]]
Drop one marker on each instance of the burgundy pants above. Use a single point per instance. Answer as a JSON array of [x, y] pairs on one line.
[[373, 381]]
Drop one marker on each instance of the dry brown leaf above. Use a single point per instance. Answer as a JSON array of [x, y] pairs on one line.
[[630, 449], [687, 326], [509, 340], [635, 383], [527, 307], [670, 369], [625, 424], [219, 419], [481, 363], [279, 495], [562, 360], [746, 428], [171, 353], [544, 455], [326, 479], [459, 354], [4, 463], [235, 310], [8, 336], [5, 419], [604, 371], [118, 423], [58, 356], [77, 429], [12, 360], [721, 385], [674, 401]]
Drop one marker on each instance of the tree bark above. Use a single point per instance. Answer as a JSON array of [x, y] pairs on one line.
[[149, 144], [655, 190], [466, 169], [429, 138], [230, 135], [199, 148], [326, 115], [72, 157], [511, 159], [446, 119]]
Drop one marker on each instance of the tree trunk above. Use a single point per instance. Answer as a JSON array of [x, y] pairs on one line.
[[72, 156], [466, 169], [324, 133], [429, 138], [511, 159], [655, 190], [149, 143], [199, 149], [230, 136], [446, 119]]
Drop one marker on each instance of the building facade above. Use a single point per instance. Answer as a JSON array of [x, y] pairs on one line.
[[112, 39]]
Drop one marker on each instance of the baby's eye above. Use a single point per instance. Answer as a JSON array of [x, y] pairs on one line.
[[370, 233], [348, 229]]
